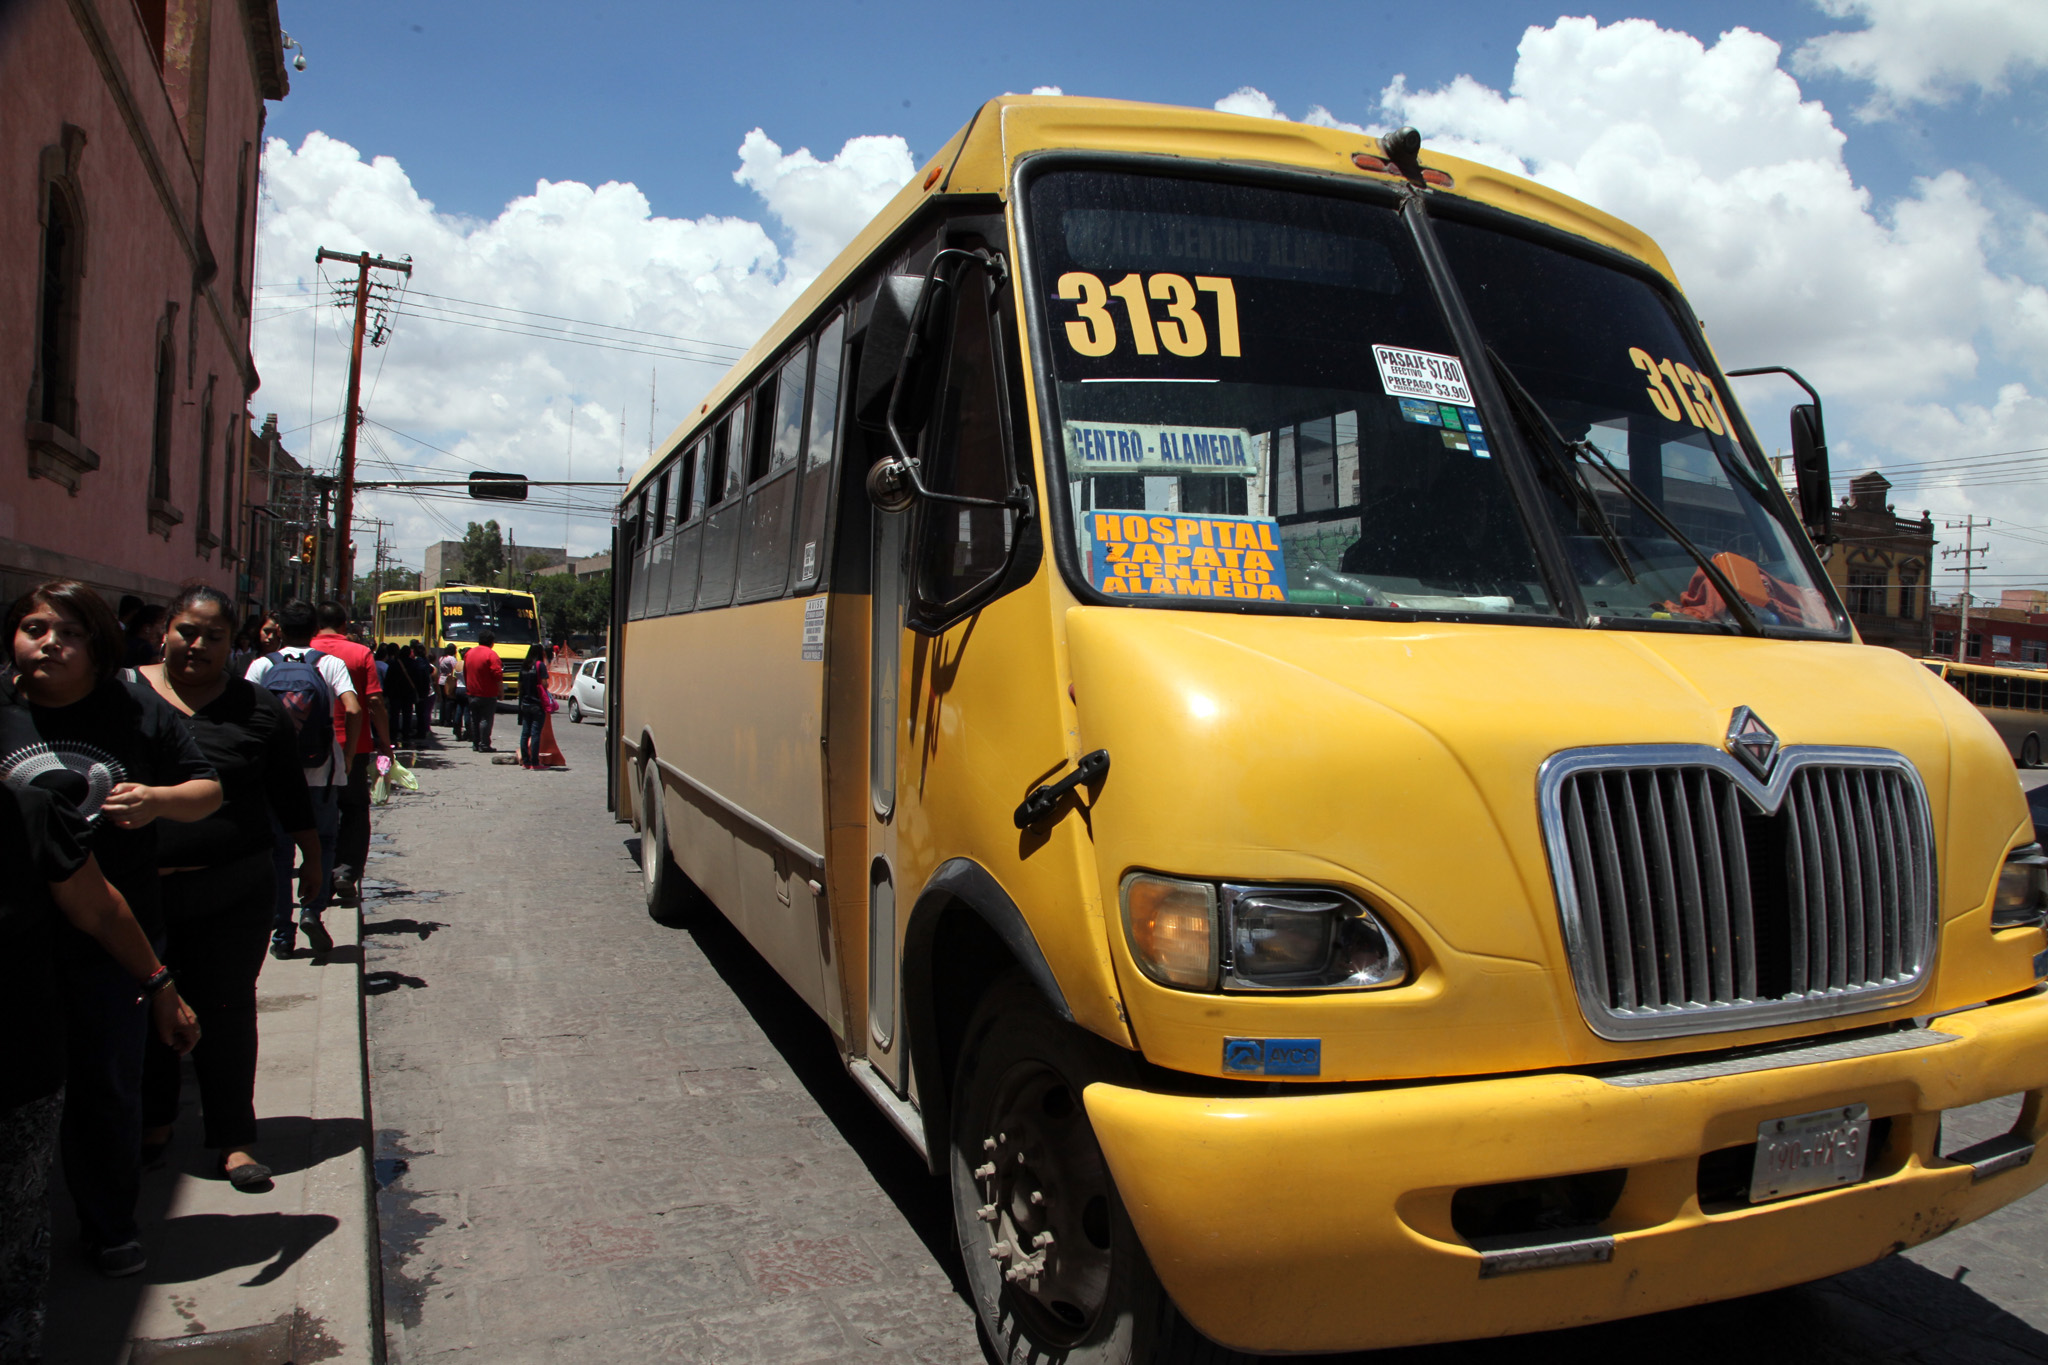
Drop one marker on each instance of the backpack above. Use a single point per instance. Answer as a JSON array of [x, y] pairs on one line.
[[307, 700]]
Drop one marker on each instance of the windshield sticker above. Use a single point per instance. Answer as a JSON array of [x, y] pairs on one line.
[[1131, 554], [1119, 448], [1421, 374], [1183, 331], [1676, 386], [1461, 430]]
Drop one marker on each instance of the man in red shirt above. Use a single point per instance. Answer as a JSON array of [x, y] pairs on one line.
[[483, 673], [352, 842]]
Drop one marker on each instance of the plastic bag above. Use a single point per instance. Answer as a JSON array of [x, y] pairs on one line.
[[401, 776], [380, 790]]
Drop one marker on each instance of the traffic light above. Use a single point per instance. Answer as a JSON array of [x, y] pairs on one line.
[[306, 548]]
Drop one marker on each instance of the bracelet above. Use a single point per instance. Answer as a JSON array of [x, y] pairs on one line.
[[157, 980]]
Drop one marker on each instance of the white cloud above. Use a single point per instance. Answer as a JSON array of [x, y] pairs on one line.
[[1258, 104], [569, 250], [1712, 150], [1047, 90], [1929, 51]]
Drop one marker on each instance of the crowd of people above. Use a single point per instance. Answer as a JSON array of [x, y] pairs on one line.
[[176, 794]]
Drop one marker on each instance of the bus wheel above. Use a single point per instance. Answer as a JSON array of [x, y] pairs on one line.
[[660, 878], [2030, 752], [1053, 1262]]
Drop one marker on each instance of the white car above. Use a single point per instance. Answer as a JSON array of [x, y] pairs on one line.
[[586, 691]]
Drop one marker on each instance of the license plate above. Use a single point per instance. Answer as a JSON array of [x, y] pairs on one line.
[[1807, 1152]]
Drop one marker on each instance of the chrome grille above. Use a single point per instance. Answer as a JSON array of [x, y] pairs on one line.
[[1696, 897]]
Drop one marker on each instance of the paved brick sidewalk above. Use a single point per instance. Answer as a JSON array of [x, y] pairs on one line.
[[603, 1140]]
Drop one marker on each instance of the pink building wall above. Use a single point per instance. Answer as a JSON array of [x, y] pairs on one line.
[[167, 95]]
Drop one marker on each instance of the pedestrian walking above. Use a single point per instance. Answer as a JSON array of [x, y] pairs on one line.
[[423, 680], [220, 881], [76, 726], [145, 636], [458, 684], [352, 845], [399, 692], [314, 688], [483, 672], [46, 845], [535, 702]]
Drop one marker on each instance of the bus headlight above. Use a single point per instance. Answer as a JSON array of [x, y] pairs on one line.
[[1171, 926], [1309, 938], [1197, 936], [2022, 898]]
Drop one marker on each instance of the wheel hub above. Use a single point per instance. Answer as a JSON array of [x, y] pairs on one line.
[[1046, 1201]]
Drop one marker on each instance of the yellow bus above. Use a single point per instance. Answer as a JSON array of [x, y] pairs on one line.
[[1262, 685], [455, 616], [2014, 700]]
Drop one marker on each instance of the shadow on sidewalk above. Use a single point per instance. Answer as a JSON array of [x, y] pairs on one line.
[[794, 1029]]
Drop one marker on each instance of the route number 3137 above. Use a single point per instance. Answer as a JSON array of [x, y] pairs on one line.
[[1183, 331]]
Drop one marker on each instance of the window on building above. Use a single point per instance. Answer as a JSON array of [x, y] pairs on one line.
[[160, 430], [242, 227], [56, 378], [2001, 644], [1976, 648], [204, 540], [1910, 592], [1867, 591], [1945, 643], [2034, 651]]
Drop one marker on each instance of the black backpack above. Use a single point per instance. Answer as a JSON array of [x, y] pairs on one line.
[[307, 700]]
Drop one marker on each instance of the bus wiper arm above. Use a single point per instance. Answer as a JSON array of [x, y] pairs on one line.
[[1564, 471], [1587, 451]]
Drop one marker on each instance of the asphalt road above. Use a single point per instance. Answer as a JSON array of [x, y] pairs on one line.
[[603, 1140]]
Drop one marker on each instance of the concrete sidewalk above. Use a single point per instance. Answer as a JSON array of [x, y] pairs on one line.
[[283, 1276]]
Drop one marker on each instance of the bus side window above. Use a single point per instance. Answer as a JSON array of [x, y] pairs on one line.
[[636, 595], [771, 501], [689, 538], [966, 453], [809, 547], [722, 520]]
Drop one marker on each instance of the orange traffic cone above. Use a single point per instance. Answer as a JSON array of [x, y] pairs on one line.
[[550, 752]]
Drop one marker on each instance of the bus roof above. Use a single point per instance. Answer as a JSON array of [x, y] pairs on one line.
[[977, 161]]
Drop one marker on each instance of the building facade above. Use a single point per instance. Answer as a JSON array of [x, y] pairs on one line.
[[1998, 635], [443, 560], [1881, 564], [130, 132]]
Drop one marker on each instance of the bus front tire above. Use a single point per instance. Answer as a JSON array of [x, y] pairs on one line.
[[668, 900], [2030, 752], [1053, 1264]]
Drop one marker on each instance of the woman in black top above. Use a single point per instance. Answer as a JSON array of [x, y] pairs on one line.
[[118, 756], [46, 846], [219, 881]]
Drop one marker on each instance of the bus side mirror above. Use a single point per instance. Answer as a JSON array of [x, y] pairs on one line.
[[1810, 467]]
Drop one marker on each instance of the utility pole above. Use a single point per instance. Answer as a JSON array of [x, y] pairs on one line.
[[364, 263], [1969, 550]]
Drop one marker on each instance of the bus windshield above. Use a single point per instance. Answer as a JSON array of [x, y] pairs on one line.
[[508, 616], [1259, 399], [1613, 365]]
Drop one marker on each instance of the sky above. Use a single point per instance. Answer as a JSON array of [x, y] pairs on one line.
[[1853, 188]]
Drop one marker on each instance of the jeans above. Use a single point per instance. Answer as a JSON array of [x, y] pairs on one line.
[[327, 820], [214, 923], [458, 713], [529, 738], [352, 843], [483, 713], [28, 1142], [105, 1021]]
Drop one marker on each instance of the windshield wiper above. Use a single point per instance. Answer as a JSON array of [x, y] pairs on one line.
[[1565, 474], [1534, 418]]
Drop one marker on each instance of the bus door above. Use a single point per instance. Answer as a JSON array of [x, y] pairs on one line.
[[885, 727]]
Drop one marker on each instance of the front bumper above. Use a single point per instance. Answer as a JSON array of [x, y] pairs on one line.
[[1322, 1222]]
